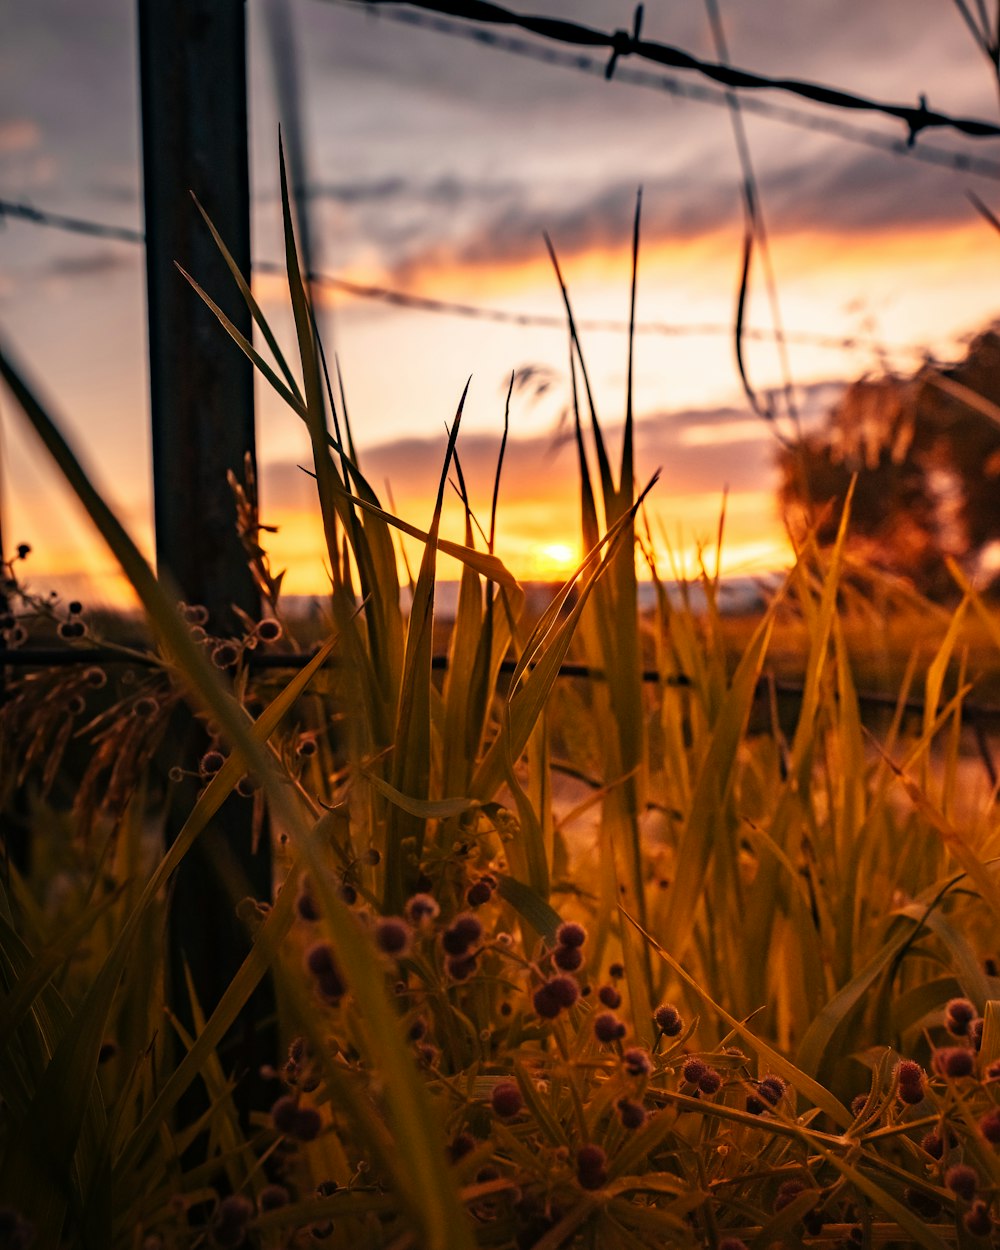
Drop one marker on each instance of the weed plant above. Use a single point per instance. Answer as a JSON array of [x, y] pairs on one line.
[[756, 1005]]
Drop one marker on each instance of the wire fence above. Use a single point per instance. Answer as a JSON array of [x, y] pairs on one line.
[[545, 54], [55, 657], [623, 43], [439, 16], [452, 308]]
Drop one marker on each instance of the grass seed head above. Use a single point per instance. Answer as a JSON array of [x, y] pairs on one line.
[[710, 1082], [557, 994], [506, 1099], [211, 762], [269, 630], [308, 1124], [910, 1081], [464, 931], [225, 655], [567, 958], [608, 1028], [962, 1180], [591, 1166], [933, 1144], [632, 1114], [478, 893], [461, 967], [954, 1061], [958, 1015], [571, 934], [420, 908], [284, 1112], [609, 997], [977, 1219], [231, 1218], [637, 1061], [271, 1197], [668, 1020], [393, 935], [772, 1088]]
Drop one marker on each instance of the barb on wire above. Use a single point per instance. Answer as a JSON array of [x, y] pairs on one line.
[[803, 119], [423, 303], [624, 43]]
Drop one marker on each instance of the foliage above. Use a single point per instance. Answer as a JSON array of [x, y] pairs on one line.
[[926, 454], [741, 991]]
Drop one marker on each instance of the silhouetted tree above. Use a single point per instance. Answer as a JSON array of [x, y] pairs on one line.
[[926, 451]]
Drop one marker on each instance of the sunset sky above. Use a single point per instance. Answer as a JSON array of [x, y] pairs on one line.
[[434, 165]]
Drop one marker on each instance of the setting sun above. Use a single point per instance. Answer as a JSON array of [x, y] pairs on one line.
[[554, 559]]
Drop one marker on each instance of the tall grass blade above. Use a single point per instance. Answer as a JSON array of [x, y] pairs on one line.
[[435, 1207], [775, 1061]]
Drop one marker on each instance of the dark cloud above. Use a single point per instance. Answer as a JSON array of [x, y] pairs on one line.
[[91, 265], [443, 192], [508, 225], [851, 192], [860, 190], [363, 191]]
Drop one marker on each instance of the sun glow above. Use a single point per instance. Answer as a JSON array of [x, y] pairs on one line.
[[553, 560]]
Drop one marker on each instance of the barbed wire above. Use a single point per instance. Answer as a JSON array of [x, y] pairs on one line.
[[71, 225], [621, 43], [453, 308], [56, 657], [928, 154]]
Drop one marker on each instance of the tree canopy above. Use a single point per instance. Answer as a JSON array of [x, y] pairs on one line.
[[926, 453]]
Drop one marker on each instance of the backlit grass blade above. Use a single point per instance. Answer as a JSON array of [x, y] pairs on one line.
[[703, 834], [528, 700], [775, 1061], [291, 398], [813, 1053], [528, 852], [423, 809], [917, 1230], [482, 562], [466, 693], [542, 917], [411, 758], [437, 1211], [627, 473], [326, 478], [244, 287], [603, 463], [202, 1049], [55, 1119], [44, 964]]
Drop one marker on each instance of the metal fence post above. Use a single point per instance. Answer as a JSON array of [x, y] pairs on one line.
[[192, 58]]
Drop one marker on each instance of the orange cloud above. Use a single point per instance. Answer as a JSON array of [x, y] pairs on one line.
[[19, 135]]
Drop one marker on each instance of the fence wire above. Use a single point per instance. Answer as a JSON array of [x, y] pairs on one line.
[[802, 119], [623, 43], [422, 303], [41, 658]]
